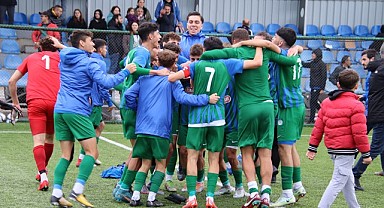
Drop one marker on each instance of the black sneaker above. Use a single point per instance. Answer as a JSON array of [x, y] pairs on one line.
[[180, 175], [357, 185], [60, 202], [135, 203], [273, 180], [154, 203]]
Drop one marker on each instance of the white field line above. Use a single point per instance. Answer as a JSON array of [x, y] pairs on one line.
[[115, 143]]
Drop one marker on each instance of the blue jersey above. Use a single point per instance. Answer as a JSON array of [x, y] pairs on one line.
[[187, 41], [231, 107], [274, 79], [99, 93]]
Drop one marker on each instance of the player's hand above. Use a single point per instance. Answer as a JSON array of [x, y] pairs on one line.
[[321, 91], [162, 12], [293, 51], [236, 45], [131, 68], [311, 155], [213, 98], [185, 64], [56, 43], [163, 72], [367, 160]]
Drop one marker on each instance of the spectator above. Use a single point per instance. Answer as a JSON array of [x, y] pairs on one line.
[[63, 4], [77, 20], [55, 15], [115, 46], [130, 17], [133, 28], [166, 19], [318, 77], [98, 22], [37, 35], [146, 15], [9, 7], [245, 25], [345, 64], [140, 15], [174, 9], [377, 43], [193, 34], [114, 11]]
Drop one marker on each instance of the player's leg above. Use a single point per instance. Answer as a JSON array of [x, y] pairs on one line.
[[183, 153], [232, 143], [172, 156], [223, 175], [99, 129], [50, 130], [200, 171]]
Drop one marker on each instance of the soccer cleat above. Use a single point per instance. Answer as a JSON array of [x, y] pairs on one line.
[[81, 199], [299, 193], [145, 189], [169, 186], [60, 202], [210, 204], [380, 173], [37, 177], [154, 203], [180, 175], [184, 189], [239, 193], [358, 187], [199, 187], [252, 202], [191, 204], [78, 162], [225, 190], [43, 186], [264, 203], [117, 187], [97, 162], [135, 203], [123, 195], [283, 201]]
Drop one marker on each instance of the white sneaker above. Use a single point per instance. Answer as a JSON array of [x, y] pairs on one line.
[[225, 190], [283, 201], [299, 193], [239, 193], [97, 162]]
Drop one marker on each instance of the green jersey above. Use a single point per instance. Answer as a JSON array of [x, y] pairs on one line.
[[211, 77], [290, 94]]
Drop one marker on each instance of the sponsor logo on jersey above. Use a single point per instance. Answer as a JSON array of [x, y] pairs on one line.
[[227, 99]]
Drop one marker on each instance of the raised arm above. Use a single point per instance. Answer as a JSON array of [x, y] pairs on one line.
[[179, 75], [257, 60], [259, 43], [225, 53]]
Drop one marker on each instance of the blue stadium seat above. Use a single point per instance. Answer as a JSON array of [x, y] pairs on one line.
[[10, 46], [340, 55], [345, 30], [332, 68], [360, 70], [328, 30], [256, 28], [208, 27], [362, 31], [34, 19], [329, 86], [375, 30], [306, 56], [365, 44], [223, 27], [333, 45], [306, 72], [12, 61], [358, 56], [312, 30], [224, 39], [328, 57], [23, 81], [8, 33], [236, 25], [293, 27], [4, 77], [272, 28], [314, 44], [20, 19], [299, 42]]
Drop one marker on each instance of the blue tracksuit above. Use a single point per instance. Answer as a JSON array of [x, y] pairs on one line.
[[77, 74], [187, 41], [98, 93]]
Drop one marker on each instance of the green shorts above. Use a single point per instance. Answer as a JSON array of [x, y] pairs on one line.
[[182, 138], [256, 124], [175, 122], [96, 116], [290, 123], [70, 126], [231, 139], [149, 147], [128, 118], [212, 136]]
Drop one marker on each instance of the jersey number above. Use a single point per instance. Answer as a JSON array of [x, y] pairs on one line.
[[46, 58], [212, 72], [297, 70]]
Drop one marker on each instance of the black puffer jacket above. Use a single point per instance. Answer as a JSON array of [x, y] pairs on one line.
[[318, 73], [376, 92], [8, 2]]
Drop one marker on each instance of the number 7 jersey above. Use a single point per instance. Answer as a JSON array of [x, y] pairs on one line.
[[212, 77]]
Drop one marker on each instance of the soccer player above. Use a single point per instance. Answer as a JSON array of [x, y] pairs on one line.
[[42, 87], [72, 111], [154, 123], [206, 124], [98, 94]]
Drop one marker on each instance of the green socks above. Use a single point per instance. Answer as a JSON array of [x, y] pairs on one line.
[[139, 181], [86, 167], [223, 175], [60, 171], [191, 184], [156, 180], [123, 175], [172, 163], [286, 177], [200, 175], [296, 174], [238, 175], [211, 186], [128, 179]]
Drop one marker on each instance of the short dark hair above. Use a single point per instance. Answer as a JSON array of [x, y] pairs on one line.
[[344, 59], [168, 5], [288, 35], [170, 36], [167, 58], [172, 47], [147, 28], [78, 35], [212, 43], [46, 44], [114, 7], [240, 34], [196, 50], [370, 53], [57, 6], [195, 13], [99, 43], [348, 79], [266, 35]]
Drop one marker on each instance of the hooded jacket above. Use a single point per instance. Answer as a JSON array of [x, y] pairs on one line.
[[78, 72], [59, 21], [100, 94], [318, 73], [342, 121], [99, 24], [376, 92], [187, 41]]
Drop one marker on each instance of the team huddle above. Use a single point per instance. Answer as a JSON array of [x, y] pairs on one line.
[[191, 98]]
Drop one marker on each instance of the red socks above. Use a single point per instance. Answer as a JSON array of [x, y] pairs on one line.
[[48, 152], [39, 154]]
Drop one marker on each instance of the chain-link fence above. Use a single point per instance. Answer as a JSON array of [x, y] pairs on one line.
[[16, 44]]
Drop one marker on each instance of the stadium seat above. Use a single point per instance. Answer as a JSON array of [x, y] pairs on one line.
[[332, 68], [4, 77], [312, 30], [345, 30], [362, 31], [8, 33], [360, 70], [341, 54], [23, 81], [314, 44], [328, 57], [299, 42], [359, 89], [306, 56], [365, 44], [12, 61], [10, 46], [224, 40], [256, 28], [328, 30], [333, 45], [272, 28], [223, 27], [358, 56], [305, 73], [20, 19], [375, 30], [34, 19], [329, 86], [293, 27], [208, 27], [236, 25]]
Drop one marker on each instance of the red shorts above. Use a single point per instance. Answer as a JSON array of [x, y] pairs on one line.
[[40, 114]]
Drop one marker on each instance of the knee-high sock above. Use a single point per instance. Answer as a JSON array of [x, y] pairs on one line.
[[39, 154], [48, 148], [60, 171]]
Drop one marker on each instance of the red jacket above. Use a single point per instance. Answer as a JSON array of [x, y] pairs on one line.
[[37, 33], [342, 120]]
